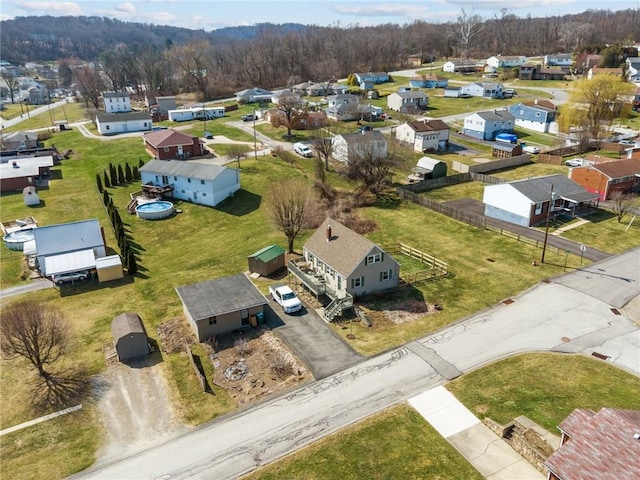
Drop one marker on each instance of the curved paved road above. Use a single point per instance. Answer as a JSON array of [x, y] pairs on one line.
[[572, 313]]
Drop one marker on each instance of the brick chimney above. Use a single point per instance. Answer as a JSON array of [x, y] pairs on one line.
[[328, 233]]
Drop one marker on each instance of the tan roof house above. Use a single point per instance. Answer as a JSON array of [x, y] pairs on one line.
[[344, 264], [424, 135], [363, 144]]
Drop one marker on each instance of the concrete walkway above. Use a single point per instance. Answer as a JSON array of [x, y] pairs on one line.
[[570, 226], [489, 454]]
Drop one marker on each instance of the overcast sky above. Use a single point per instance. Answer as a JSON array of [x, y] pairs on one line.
[[213, 14]]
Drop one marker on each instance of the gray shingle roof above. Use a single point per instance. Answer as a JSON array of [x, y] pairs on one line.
[[344, 252], [123, 117], [115, 94], [497, 115], [177, 168], [411, 94], [355, 138], [67, 237], [220, 296], [538, 189]]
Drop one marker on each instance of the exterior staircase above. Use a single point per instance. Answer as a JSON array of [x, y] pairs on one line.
[[336, 307]]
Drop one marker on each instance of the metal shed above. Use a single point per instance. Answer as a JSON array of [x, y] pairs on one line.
[[267, 261], [109, 268], [129, 336]]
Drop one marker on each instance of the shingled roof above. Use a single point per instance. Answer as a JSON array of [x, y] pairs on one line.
[[618, 168], [169, 138], [345, 249], [602, 446], [428, 125]]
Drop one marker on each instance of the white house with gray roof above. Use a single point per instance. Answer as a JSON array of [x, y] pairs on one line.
[[199, 183], [633, 69], [68, 247], [116, 102], [365, 145], [408, 101], [483, 89], [114, 123], [222, 305], [486, 125], [527, 202]]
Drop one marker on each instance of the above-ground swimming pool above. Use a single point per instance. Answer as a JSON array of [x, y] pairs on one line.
[[155, 210], [16, 240]]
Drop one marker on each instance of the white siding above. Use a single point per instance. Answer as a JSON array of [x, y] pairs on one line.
[[507, 198]]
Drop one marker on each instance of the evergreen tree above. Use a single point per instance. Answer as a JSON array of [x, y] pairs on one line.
[[136, 173], [132, 266], [105, 197], [140, 163], [99, 183], [120, 175], [127, 173], [107, 183], [114, 177]]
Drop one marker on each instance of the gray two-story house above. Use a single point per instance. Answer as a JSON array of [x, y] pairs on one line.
[[537, 115]]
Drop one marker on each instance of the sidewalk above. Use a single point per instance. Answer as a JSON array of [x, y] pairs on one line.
[[490, 455]]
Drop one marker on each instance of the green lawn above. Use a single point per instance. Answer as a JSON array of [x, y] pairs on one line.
[[546, 387], [71, 112], [395, 444], [398, 443]]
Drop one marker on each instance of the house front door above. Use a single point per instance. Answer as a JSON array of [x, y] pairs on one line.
[[244, 315], [195, 196], [180, 151], [339, 284]]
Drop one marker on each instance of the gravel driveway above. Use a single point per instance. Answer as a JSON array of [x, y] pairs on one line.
[[135, 407]]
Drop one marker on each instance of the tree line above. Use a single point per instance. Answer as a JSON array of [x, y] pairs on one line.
[[217, 63]]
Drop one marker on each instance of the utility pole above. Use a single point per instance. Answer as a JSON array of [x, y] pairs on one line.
[[546, 230], [255, 140]]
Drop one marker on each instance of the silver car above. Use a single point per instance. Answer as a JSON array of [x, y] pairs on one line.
[[71, 277]]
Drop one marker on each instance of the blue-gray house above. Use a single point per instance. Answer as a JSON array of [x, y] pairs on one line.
[[536, 115], [428, 81], [486, 125], [366, 81]]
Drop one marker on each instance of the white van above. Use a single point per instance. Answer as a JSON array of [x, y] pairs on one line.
[[302, 149]]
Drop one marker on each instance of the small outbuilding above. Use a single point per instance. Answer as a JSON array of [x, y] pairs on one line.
[[428, 168], [506, 150], [30, 196], [267, 260], [129, 336], [109, 268]]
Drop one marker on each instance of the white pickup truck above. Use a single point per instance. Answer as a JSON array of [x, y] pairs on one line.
[[286, 298]]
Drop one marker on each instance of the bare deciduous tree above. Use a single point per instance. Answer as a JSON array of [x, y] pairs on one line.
[[622, 203], [289, 204], [39, 333], [90, 84], [323, 142], [237, 152], [292, 112], [468, 25], [13, 85], [371, 168]]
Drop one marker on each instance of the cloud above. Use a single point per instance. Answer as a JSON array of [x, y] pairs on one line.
[[381, 10], [126, 7], [508, 4], [48, 8]]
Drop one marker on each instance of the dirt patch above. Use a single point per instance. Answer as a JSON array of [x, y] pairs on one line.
[[398, 312], [173, 333], [134, 405], [253, 364]]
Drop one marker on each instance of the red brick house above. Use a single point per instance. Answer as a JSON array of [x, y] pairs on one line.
[[608, 177], [597, 446], [170, 144]]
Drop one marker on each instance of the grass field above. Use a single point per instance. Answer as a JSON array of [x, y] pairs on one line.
[[71, 112], [205, 243], [398, 443]]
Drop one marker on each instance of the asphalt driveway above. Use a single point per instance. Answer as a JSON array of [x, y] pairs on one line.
[[309, 337]]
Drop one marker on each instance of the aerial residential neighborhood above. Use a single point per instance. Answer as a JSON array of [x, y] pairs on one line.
[[319, 249]]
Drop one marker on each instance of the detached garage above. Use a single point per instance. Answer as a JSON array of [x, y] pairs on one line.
[[129, 336]]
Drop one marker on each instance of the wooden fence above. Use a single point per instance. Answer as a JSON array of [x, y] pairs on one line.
[[456, 213], [425, 185], [437, 268], [201, 379]]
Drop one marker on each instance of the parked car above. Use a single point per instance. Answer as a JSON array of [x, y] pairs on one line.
[[249, 117], [208, 135], [70, 277], [631, 143], [286, 298], [302, 149], [575, 162], [509, 91], [530, 149], [365, 128]]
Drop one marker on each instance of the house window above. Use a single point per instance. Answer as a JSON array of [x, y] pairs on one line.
[[175, 179], [373, 258], [201, 182], [166, 149], [204, 194], [385, 275], [331, 272], [213, 320], [245, 317], [522, 111], [188, 180], [182, 191], [538, 208], [357, 282], [107, 127]]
